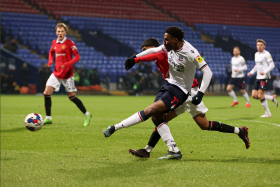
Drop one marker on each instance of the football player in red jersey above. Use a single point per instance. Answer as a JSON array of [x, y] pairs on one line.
[[63, 49], [196, 111]]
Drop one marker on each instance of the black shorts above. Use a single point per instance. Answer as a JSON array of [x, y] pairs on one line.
[[238, 82], [260, 84], [171, 95]]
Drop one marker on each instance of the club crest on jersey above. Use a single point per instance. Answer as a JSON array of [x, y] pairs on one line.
[[181, 58], [199, 59], [63, 47]]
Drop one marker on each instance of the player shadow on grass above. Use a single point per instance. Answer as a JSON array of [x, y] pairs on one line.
[[236, 160], [14, 129]]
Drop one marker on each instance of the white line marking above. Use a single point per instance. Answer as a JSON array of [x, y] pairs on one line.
[[278, 125]]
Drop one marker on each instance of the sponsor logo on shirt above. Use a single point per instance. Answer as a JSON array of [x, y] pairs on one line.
[[177, 67], [60, 55], [199, 59]]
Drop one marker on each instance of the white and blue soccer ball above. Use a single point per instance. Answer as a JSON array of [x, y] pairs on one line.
[[34, 122]]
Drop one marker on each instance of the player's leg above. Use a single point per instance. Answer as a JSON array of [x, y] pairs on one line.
[[155, 137], [246, 96], [241, 86], [264, 103], [273, 98], [165, 134], [232, 93], [204, 124], [71, 90], [72, 96], [53, 84], [141, 116], [48, 104]]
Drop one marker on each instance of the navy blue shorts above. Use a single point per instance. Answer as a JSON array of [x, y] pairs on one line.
[[260, 84], [171, 95], [238, 82]]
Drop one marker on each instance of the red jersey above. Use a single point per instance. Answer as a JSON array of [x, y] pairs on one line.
[[63, 51], [162, 64]]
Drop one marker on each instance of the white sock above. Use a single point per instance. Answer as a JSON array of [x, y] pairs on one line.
[[132, 120], [269, 97], [86, 114], [48, 117], [246, 97], [166, 136], [232, 94], [236, 130], [148, 148], [265, 106]]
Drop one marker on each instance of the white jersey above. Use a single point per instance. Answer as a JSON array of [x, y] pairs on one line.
[[238, 63], [264, 63], [182, 66]]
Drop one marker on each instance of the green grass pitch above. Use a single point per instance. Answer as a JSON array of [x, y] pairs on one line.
[[68, 154]]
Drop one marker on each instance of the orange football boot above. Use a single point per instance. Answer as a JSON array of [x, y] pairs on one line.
[[234, 103]]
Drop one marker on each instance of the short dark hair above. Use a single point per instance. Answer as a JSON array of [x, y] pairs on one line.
[[236, 47], [261, 40], [175, 32], [150, 42]]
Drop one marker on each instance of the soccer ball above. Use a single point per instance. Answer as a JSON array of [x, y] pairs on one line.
[[34, 122]]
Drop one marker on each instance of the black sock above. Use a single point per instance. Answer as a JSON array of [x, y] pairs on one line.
[[155, 137], [48, 104], [79, 103], [217, 126]]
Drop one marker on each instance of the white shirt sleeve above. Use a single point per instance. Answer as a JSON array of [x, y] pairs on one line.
[[271, 65], [270, 62], [159, 49], [253, 70], [207, 76], [244, 66]]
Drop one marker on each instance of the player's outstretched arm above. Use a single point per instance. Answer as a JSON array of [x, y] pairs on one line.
[[151, 51], [207, 76], [130, 62]]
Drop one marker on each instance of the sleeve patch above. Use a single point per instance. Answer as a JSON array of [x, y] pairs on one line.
[[73, 47], [199, 59]]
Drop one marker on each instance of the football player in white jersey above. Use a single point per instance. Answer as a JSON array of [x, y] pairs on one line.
[[264, 64], [238, 65], [183, 61]]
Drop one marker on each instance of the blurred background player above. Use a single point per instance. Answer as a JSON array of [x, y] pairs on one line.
[[264, 64], [238, 65], [63, 49], [197, 112]]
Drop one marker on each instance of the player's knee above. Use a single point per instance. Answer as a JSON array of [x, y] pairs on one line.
[[229, 89], [255, 96], [150, 111]]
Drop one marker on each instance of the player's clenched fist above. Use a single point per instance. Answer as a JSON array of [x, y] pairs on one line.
[[129, 63], [197, 98]]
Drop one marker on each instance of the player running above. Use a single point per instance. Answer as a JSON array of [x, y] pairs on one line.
[[264, 64], [238, 65], [196, 111], [63, 49], [183, 60]]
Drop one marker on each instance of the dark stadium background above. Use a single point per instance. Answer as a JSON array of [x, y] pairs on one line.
[[107, 32]]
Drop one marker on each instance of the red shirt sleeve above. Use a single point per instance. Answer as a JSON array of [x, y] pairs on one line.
[[51, 54], [74, 51], [150, 57], [195, 83]]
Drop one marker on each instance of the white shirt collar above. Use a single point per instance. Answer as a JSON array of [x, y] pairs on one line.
[[57, 41]]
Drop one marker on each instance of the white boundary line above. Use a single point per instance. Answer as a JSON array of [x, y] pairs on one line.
[[278, 125]]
